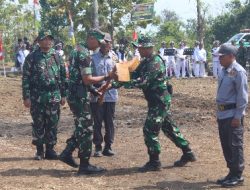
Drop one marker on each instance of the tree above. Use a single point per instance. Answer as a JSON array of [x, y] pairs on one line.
[[228, 24], [14, 26]]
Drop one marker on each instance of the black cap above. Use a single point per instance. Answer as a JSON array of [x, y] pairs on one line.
[[227, 49]]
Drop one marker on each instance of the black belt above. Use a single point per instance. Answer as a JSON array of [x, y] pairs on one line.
[[223, 107]]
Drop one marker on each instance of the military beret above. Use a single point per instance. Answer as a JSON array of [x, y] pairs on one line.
[[44, 33], [227, 49], [145, 41], [96, 33]]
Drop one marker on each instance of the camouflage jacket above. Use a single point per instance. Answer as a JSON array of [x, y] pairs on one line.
[[151, 78], [241, 55], [79, 65], [43, 77]]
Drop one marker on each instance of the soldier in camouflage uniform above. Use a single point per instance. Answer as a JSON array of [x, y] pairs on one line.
[[78, 99], [150, 77], [43, 85], [241, 56]]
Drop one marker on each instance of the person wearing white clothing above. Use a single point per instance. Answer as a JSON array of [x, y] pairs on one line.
[[216, 61], [196, 49], [171, 62], [180, 62], [200, 60], [164, 57], [21, 55]]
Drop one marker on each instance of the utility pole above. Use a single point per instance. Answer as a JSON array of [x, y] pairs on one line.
[[95, 23]]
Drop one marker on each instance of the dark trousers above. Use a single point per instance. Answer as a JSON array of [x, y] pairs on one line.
[[232, 145], [103, 113]]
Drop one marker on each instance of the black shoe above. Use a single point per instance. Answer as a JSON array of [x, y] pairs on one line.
[[98, 151], [233, 181], [50, 154], [185, 158], [39, 152], [108, 152], [151, 166], [68, 159], [38, 156], [221, 180], [90, 169]]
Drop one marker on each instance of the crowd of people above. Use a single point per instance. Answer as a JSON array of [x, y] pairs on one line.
[[183, 62], [91, 93]]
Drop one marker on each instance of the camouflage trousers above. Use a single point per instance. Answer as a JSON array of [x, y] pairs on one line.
[[160, 119], [82, 136], [45, 119]]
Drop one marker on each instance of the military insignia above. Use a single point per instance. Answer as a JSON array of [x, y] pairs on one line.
[[232, 73]]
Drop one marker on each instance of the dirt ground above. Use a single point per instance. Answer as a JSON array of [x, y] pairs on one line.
[[193, 109]]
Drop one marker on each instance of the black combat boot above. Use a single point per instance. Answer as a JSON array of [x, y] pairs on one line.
[[188, 156], [39, 152], [153, 164], [50, 153], [108, 151], [67, 158], [86, 168]]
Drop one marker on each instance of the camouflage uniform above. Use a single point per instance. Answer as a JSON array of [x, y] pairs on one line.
[[43, 83], [241, 56], [78, 100], [150, 77]]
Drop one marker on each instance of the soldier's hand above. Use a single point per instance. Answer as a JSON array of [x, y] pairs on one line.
[[113, 75], [235, 122], [27, 103], [63, 101]]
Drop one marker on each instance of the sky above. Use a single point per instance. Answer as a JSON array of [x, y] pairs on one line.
[[186, 9]]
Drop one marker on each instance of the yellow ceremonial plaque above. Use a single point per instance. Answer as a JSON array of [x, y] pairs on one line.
[[133, 64], [123, 72]]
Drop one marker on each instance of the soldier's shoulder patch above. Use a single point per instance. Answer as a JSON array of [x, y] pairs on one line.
[[232, 72]]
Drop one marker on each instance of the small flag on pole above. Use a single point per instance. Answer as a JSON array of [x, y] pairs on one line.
[[135, 36], [2, 54], [36, 2], [71, 29], [1, 48]]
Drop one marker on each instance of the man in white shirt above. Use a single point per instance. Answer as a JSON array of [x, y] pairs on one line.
[[200, 57], [171, 61], [21, 55], [216, 61], [180, 62], [164, 57], [196, 48]]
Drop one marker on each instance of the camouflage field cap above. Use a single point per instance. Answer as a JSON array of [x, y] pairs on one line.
[[44, 33], [96, 33], [135, 43], [145, 41]]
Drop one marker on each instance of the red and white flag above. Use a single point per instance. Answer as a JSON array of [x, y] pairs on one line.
[[36, 2], [1, 48], [135, 36]]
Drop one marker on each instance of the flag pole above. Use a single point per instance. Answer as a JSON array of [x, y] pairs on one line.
[[1, 53]]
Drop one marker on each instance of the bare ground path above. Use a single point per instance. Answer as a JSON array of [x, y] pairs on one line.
[[193, 108]]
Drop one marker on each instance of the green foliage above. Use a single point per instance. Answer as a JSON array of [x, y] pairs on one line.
[[236, 18], [14, 26]]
